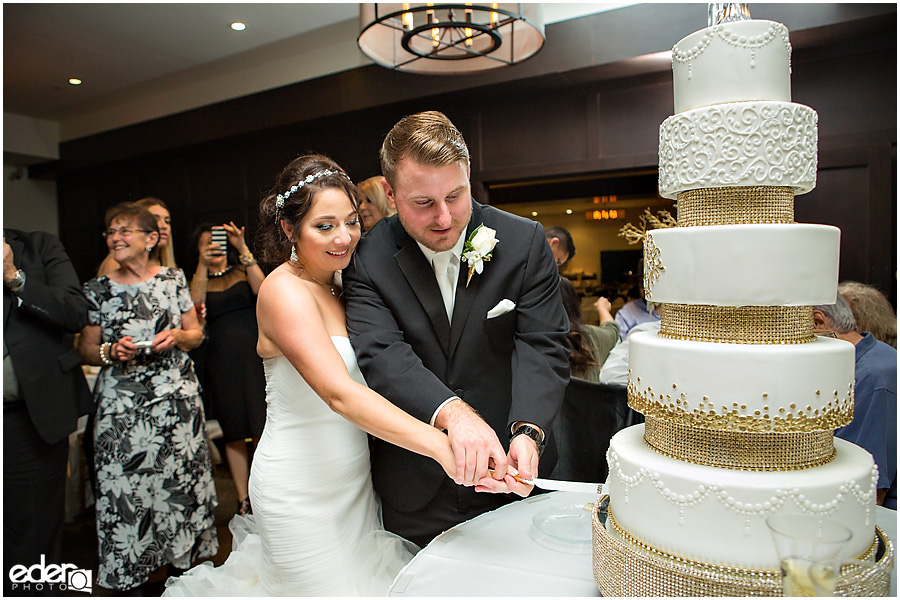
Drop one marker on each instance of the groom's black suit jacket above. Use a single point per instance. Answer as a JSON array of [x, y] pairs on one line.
[[513, 367]]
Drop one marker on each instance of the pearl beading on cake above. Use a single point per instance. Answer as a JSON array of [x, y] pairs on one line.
[[739, 144], [748, 510], [751, 43], [624, 566]]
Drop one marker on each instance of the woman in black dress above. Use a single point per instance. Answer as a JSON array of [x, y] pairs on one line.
[[226, 283]]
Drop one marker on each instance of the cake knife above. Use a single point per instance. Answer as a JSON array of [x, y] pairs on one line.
[[554, 485]]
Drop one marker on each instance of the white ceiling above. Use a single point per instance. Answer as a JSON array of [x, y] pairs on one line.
[[164, 54]]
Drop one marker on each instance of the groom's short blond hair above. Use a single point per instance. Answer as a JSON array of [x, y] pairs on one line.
[[428, 138]]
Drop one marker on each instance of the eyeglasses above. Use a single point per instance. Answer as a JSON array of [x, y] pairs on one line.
[[122, 231]]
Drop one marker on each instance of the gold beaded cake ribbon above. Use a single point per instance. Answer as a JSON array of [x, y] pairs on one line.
[[626, 566], [792, 418], [739, 450], [735, 206], [738, 324]]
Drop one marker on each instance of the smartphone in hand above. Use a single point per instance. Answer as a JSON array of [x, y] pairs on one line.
[[221, 238]]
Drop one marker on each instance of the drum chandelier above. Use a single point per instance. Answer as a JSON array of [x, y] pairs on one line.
[[449, 38]]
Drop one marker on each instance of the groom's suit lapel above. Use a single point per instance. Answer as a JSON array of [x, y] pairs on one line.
[[420, 276]]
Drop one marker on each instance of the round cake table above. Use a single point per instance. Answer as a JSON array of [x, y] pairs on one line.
[[500, 553]]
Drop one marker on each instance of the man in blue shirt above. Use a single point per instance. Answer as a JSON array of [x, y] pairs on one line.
[[874, 425], [637, 311]]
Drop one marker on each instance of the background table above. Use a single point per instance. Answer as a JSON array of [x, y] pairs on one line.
[[496, 555]]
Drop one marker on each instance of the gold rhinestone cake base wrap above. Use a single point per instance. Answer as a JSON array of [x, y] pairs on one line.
[[738, 324], [738, 450], [624, 566], [837, 413], [735, 206]]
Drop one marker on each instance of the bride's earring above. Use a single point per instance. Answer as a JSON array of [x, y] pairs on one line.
[[294, 257]]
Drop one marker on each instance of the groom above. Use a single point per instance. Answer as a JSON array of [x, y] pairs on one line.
[[478, 352]]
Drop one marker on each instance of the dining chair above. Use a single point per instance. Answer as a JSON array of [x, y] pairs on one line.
[[591, 414]]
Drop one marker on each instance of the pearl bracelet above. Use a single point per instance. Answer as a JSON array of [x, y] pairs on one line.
[[103, 357]]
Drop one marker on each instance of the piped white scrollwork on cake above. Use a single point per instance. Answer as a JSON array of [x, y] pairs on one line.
[[739, 144], [741, 398]]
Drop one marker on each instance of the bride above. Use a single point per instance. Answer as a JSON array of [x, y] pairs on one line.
[[316, 527]]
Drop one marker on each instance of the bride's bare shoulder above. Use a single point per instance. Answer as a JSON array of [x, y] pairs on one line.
[[282, 285], [285, 305]]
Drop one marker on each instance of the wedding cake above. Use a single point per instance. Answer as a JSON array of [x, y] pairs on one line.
[[740, 397]]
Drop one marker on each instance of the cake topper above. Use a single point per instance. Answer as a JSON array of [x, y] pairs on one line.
[[725, 12]]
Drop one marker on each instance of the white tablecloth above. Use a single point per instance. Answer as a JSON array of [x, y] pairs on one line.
[[496, 555]]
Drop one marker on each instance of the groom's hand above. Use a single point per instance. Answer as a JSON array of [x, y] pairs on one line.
[[474, 443], [523, 461]]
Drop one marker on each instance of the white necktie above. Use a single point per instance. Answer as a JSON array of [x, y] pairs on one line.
[[444, 275]]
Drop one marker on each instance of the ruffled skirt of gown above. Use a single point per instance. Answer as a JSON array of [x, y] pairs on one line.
[[316, 528]]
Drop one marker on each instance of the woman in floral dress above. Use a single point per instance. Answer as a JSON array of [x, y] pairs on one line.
[[156, 490]]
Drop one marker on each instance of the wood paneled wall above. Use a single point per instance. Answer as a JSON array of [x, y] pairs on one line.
[[581, 122]]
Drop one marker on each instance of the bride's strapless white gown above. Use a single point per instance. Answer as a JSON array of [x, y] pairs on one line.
[[316, 525]]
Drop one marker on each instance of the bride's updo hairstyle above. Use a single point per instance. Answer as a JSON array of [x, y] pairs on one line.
[[290, 200]]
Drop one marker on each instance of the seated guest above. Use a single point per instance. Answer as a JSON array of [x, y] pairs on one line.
[[561, 244], [615, 369], [590, 344], [872, 311], [638, 310], [874, 425], [373, 203]]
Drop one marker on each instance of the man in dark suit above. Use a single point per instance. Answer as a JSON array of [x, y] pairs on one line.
[[457, 332], [44, 393]]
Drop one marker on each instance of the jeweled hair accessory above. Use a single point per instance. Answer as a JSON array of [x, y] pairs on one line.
[[279, 203]]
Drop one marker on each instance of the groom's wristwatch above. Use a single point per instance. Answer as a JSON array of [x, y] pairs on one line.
[[534, 433]]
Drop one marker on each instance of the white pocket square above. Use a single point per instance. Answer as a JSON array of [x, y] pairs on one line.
[[503, 307]]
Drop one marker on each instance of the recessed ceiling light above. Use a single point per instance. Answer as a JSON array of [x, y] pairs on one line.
[[238, 26], [568, 211], [534, 213], [75, 81]]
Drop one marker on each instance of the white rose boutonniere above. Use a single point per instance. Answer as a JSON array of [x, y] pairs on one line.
[[478, 249]]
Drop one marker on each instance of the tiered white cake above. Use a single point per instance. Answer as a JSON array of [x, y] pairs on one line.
[[741, 398]]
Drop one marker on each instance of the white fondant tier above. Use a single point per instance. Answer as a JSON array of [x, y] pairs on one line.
[[739, 144], [719, 516], [732, 62], [743, 265], [780, 388]]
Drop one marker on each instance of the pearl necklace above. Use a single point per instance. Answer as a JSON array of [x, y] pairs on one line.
[[220, 273]]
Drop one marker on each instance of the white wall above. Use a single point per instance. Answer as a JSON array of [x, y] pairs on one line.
[[29, 204]]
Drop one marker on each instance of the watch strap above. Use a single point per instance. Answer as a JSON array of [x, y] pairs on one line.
[[532, 432], [17, 281]]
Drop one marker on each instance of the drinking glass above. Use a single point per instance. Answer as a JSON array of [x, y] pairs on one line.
[[810, 550]]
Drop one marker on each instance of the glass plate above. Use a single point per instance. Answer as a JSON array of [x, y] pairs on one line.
[[564, 528]]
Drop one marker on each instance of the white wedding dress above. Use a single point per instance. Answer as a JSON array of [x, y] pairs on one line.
[[316, 525]]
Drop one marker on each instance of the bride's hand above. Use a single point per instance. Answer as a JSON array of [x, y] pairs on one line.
[[444, 457]]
